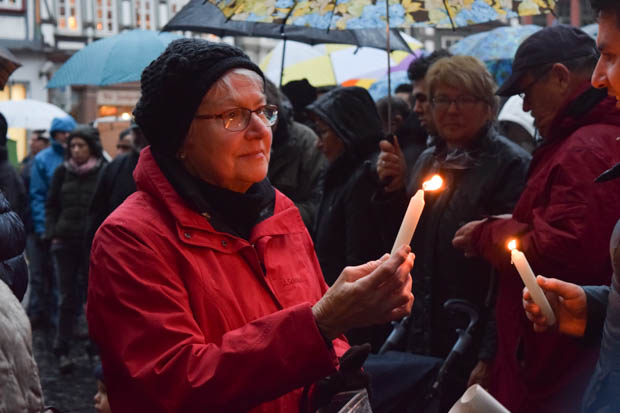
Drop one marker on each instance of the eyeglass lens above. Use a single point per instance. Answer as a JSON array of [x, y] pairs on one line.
[[239, 119]]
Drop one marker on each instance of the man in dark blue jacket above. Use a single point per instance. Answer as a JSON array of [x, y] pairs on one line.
[[44, 293]]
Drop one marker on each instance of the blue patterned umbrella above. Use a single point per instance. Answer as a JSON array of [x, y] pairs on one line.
[[496, 48], [365, 14], [116, 59]]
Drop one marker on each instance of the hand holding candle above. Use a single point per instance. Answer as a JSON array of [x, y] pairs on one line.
[[529, 279], [414, 211]]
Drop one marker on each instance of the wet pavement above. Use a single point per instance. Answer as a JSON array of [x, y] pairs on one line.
[[72, 392]]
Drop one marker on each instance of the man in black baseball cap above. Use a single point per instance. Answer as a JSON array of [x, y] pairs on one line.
[[563, 220]]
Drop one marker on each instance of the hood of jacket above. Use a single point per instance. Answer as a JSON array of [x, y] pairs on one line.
[[352, 114]]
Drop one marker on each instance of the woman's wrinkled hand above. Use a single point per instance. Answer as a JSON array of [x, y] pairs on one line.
[[391, 165], [373, 293]]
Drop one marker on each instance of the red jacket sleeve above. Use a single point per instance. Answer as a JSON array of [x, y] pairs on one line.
[[155, 355], [565, 230]]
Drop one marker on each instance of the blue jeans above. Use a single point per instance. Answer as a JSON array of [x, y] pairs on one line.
[[43, 304]]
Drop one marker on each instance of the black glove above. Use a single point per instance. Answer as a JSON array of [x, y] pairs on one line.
[[350, 376]]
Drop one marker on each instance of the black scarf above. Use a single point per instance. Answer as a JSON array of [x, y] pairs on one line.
[[228, 211]]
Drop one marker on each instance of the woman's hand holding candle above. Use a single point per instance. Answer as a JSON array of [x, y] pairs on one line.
[[527, 275]]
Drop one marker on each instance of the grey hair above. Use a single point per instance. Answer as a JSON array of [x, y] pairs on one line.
[[223, 86]]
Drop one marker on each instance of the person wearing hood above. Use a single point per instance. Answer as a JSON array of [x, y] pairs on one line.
[[42, 307], [296, 166], [72, 187], [347, 226]]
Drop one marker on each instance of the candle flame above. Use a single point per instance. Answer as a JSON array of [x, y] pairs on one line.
[[512, 244], [433, 184]]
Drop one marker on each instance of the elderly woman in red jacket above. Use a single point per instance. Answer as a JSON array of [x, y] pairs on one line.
[[205, 292]]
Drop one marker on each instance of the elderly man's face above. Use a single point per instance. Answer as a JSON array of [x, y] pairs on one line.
[[607, 72], [544, 95], [231, 160]]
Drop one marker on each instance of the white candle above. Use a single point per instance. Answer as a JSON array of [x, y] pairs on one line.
[[414, 210], [410, 221], [529, 279]]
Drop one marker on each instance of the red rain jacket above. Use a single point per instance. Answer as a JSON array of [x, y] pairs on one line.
[[563, 222], [189, 319]]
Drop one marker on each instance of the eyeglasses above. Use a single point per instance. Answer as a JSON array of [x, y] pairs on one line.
[[238, 119], [533, 82], [443, 103]]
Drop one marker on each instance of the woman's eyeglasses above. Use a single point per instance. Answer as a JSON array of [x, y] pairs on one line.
[[238, 119], [462, 102]]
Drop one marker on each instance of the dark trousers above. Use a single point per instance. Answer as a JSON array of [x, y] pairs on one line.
[[43, 301], [70, 262]]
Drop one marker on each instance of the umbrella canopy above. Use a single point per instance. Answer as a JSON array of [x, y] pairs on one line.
[[496, 48], [30, 114], [198, 16], [116, 59], [364, 14], [8, 64], [329, 64]]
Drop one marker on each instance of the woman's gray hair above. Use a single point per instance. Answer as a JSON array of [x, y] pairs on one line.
[[223, 86]]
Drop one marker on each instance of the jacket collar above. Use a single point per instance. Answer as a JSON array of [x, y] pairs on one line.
[[196, 229], [586, 106]]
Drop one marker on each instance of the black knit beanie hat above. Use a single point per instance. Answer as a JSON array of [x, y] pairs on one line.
[[91, 135], [175, 83]]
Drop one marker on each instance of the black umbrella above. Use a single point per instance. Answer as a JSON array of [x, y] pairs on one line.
[[201, 16], [8, 64]]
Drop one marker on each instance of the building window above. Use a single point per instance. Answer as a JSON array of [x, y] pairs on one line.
[[11, 4], [106, 16], [175, 6], [447, 41], [145, 14], [69, 16]]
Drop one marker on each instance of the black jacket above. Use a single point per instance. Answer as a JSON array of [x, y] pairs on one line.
[[345, 229], [485, 180], [67, 202], [114, 184], [13, 269], [12, 186]]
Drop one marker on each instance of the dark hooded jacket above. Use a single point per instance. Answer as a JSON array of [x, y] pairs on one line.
[[345, 229], [13, 270], [71, 191]]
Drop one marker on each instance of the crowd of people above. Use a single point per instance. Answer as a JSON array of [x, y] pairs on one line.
[[238, 246]]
